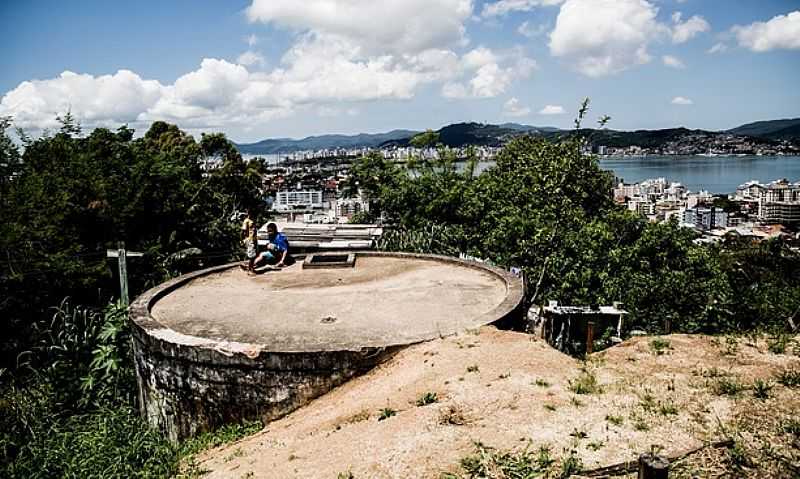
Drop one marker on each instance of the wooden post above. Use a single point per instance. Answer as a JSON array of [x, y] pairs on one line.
[[667, 326], [653, 467], [589, 337], [122, 256], [123, 273]]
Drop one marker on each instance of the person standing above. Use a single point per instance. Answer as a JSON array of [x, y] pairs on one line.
[[249, 240]]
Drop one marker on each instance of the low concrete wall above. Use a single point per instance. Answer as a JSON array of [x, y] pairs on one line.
[[189, 385]]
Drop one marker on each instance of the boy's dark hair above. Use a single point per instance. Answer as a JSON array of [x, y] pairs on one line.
[[272, 226]]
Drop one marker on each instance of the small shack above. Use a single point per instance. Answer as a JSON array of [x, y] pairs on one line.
[[572, 328]]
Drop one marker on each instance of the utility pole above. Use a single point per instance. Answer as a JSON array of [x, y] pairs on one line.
[[121, 254]]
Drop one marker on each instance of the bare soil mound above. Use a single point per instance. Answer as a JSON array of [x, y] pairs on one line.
[[509, 391]]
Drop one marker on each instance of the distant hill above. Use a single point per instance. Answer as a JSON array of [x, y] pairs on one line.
[[640, 138], [788, 129], [288, 145], [481, 134]]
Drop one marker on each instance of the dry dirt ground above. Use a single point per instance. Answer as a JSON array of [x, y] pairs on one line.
[[510, 391]]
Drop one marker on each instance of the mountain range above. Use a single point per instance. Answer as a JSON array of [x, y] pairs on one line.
[[479, 134]]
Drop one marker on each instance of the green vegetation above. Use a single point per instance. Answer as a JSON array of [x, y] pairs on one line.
[[66, 373], [789, 378], [386, 413], [490, 462], [67, 388], [762, 389], [542, 383], [585, 383], [545, 207], [779, 343], [659, 346], [427, 398], [615, 420], [727, 387]]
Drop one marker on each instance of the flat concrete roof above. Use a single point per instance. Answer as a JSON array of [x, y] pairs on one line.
[[384, 300]]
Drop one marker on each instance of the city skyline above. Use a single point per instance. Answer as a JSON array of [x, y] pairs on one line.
[[266, 69]]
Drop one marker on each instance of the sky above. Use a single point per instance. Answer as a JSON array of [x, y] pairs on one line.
[[286, 68]]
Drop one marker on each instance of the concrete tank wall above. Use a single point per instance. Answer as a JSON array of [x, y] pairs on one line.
[[189, 385]]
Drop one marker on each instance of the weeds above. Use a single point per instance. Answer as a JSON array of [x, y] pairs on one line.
[[667, 409], [659, 346], [488, 462], [223, 435], [789, 378], [585, 383], [792, 428], [427, 398], [777, 344], [761, 389], [578, 434], [731, 346], [542, 383], [473, 369], [595, 445], [615, 420], [647, 401], [727, 387], [386, 413], [570, 465], [738, 456]]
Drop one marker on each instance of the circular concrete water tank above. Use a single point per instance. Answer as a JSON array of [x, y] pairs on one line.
[[218, 346]]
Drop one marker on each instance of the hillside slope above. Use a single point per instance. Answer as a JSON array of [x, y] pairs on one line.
[[519, 396], [288, 145], [772, 129]]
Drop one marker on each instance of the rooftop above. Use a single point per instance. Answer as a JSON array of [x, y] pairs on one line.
[[384, 300]]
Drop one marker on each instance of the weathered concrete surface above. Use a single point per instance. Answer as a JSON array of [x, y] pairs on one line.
[[218, 346]]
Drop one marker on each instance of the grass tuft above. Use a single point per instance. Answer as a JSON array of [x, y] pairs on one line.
[[386, 413], [427, 398], [659, 346], [585, 383]]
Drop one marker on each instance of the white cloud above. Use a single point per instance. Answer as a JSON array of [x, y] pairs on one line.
[[504, 7], [492, 73], [513, 108], [378, 26], [250, 58], [334, 60], [717, 48], [531, 31], [101, 100], [780, 32], [251, 40], [679, 100], [552, 110], [682, 32], [328, 111], [603, 37], [672, 62]]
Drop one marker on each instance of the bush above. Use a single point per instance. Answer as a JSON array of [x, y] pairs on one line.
[[585, 383], [107, 442]]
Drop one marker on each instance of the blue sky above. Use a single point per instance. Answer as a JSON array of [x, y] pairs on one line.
[[277, 68]]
